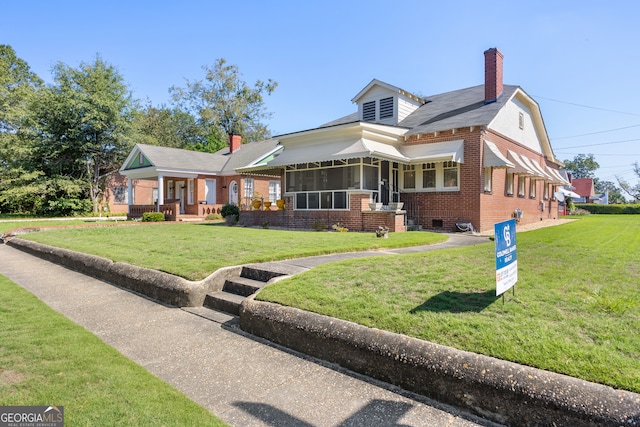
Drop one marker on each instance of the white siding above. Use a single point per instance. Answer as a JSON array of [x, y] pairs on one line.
[[507, 122], [403, 106], [406, 106]]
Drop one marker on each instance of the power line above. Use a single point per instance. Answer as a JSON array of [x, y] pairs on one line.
[[587, 106], [600, 143], [595, 133]]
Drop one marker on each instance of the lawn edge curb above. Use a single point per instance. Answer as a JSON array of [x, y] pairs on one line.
[[157, 285], [502, 391]]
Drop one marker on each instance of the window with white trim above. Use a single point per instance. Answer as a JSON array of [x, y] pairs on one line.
[[409, 176], [533, 187], [248, 190], [190, 190], [521, 186], [488, 184], [545, 194], [510, 184], [450, 173], [274, 191], [429, 175], [521, 120]]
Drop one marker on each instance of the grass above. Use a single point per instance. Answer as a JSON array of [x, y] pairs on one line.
[[46, 359], [195, 250], [576, 308]]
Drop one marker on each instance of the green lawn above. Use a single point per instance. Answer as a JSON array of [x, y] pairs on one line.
[[195, 250], [576, 308], [45, 359]]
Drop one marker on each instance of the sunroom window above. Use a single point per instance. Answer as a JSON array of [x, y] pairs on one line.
[[409, 172]]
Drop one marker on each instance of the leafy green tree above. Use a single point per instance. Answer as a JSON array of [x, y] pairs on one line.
[[82, 128], [631, 190], [615, 194], [168, 127], [18, 86], [225, 105], [582, 166]]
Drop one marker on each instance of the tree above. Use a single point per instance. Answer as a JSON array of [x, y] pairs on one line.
[[582, 166], [615, 195], [168, 127], [226, 105], [633, 191], [82, 128], [18, 85]]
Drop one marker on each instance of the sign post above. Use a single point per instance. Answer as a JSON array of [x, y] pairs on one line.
[[506, 259]]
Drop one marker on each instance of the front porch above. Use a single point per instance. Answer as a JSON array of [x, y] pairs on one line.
[[173, 212]]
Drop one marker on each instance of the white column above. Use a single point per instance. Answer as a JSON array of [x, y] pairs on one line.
[[129, 193], [160, 191]]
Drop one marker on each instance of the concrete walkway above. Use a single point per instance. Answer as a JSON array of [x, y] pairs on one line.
[[243, 380]]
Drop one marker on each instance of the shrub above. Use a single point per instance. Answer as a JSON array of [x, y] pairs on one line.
[[230, 209], [231, 220], [610, 209], [152, 217], [213, 217]]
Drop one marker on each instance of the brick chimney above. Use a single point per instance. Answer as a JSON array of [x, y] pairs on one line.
[[492, 75], [234, 142]]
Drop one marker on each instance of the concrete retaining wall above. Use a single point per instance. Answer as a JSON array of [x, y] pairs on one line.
[[159, 286], [502, 391]]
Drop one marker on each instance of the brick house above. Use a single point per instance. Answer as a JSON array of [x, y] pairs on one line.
[[189, 184], [477, 155]]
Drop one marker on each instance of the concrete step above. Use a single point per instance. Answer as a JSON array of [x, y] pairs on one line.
[[224, 301], [261, 273], [213, 315], [243, 286]]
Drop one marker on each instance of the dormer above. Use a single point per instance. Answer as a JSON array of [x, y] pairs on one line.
[[383, 103]]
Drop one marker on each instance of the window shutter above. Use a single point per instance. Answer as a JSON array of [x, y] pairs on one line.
[[369, 111], [386, 108]]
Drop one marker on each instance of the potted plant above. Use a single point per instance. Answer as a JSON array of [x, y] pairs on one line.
[[256, 202], [280, 204]]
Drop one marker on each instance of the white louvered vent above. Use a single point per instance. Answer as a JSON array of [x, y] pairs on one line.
[[369, 111], [386, 108]]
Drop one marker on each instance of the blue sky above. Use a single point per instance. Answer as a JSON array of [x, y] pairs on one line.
[[580, 60]]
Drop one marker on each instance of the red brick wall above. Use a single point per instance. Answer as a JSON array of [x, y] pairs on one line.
[[440, 211], [359, 218]]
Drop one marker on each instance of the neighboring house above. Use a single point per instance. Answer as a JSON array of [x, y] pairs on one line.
[[188, 183], [584, 188], [116, 197], [478, 155]]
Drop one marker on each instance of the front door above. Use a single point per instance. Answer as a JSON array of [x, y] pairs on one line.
[[233, 193]]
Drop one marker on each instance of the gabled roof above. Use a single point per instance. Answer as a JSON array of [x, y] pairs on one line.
[[450, 110], [168, 160], [456, 109], [391, 88], [583, 186]]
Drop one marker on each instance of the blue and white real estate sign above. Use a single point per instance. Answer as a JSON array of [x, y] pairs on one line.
[[506, 259]]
